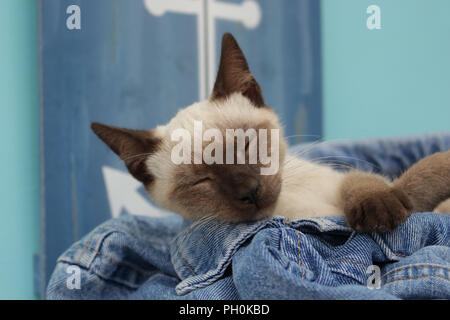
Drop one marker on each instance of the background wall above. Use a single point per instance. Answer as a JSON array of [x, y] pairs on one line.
[[386, 82], [19, 160]]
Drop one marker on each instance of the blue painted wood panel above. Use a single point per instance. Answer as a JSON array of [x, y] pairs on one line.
[[131, 67]]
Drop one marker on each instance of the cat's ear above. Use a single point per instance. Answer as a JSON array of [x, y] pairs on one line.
[[132, 146], [234, 74]]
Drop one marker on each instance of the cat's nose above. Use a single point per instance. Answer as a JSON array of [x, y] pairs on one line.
[[250, 196]]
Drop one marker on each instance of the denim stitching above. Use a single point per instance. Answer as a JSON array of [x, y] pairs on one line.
[[159, 245], [119, 263], [299, 256], [415, 267], [85, 247], [401, 255], [119, 230], [348, 260], [185, 263], [100, 230], [418, 277], [144, 272]]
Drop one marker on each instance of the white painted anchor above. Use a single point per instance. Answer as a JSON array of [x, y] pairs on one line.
[[247, 12]]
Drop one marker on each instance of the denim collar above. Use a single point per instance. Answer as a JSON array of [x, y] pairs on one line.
[[202, 252]]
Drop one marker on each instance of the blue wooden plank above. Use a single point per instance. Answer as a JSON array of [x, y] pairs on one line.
[[284, 56], [131, 68]]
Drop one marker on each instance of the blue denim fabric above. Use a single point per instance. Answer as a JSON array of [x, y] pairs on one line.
[[136, 257]]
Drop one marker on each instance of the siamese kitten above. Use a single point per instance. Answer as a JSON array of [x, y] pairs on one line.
[[239, 192]]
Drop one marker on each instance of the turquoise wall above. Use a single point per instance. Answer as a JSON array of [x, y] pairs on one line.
[[392, 81], [386, 82], [19, 161]]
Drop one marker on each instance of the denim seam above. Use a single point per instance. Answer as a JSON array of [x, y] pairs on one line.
[[415, 267], [87, 246], [348, 260], [119, 230], [81, 246], [107, 258], [186, 264], [416, 277], [84, 248], [401, 255], [288, 223], [113, 261], [88, 243], [299, 255], [358, 263], [121, 282]]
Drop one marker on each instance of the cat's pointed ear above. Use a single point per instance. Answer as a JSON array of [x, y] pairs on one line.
[[234, 74], [132, 146]]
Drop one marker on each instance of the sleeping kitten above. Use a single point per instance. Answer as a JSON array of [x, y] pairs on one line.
[[239, 192]]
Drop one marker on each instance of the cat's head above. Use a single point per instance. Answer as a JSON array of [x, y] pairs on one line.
[[179, 163]]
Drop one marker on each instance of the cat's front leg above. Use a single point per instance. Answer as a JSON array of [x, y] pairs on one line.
[[372, 204]]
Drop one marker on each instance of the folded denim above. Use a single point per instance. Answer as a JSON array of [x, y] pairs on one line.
[[136, 257]]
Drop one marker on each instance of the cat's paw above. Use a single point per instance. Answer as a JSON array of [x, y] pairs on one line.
[[378, 211]]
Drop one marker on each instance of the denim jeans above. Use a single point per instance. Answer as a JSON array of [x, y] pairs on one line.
[[136, 257]]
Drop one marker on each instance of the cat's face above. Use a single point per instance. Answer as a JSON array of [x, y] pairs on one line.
[[210, 180]]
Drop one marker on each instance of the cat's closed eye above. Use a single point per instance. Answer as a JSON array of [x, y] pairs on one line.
[[202, 180]]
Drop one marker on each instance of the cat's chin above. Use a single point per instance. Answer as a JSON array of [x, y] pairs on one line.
[[235, 216], [264, 208], [248, 215]]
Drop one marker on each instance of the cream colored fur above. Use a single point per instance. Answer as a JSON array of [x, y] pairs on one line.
[[308, 189]]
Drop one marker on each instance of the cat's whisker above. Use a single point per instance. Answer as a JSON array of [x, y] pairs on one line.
[[303, 136], [338, 166], [136, 156], [329, 163], [308, 148], [347, 157]]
